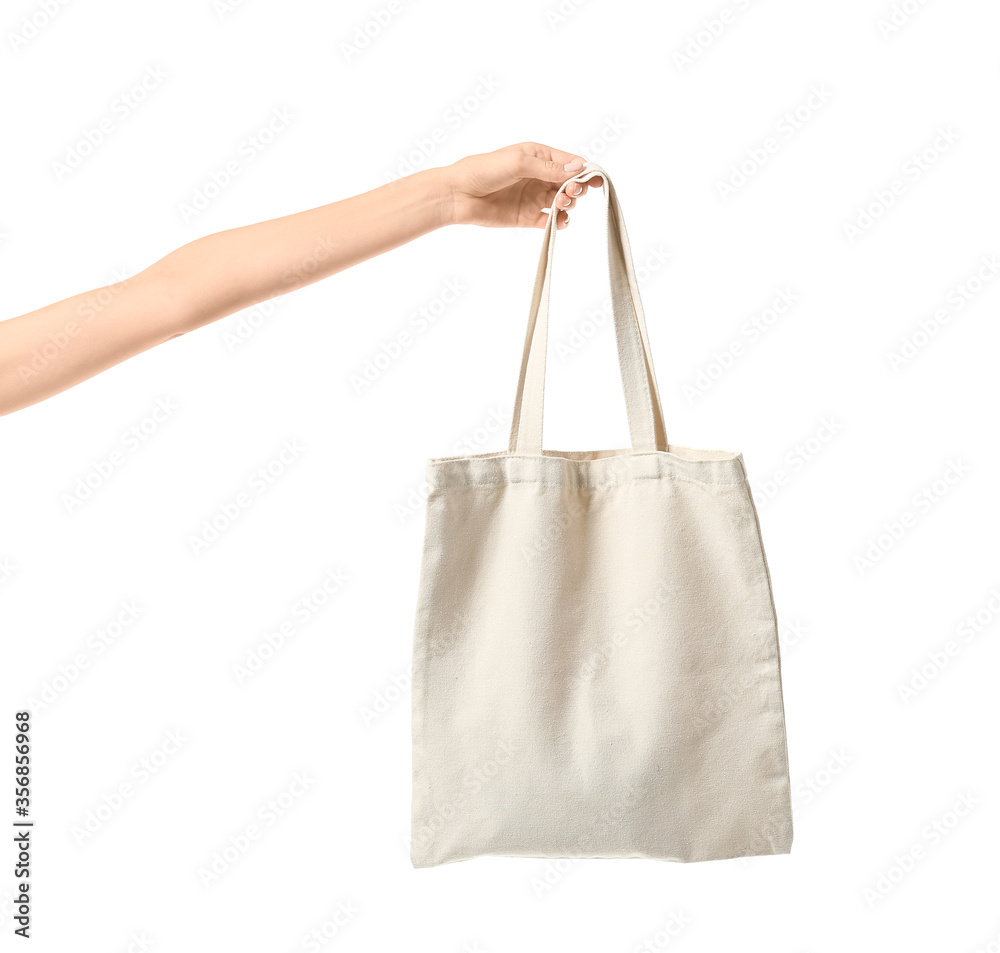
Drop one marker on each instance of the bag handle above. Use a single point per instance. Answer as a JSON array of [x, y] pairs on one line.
[[642, 400]]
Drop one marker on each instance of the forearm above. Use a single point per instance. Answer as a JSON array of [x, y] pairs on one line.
[[225, 272], [48, 350]]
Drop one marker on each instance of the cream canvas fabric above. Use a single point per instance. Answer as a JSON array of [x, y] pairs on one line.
[[595, 660]]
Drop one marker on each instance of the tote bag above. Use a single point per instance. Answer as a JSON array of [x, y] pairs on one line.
[[595, 655]]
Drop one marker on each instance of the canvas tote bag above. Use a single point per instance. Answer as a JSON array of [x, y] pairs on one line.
[[595, 656]]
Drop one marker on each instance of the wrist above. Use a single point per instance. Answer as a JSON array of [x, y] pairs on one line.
[[420, 202], [442, 184]]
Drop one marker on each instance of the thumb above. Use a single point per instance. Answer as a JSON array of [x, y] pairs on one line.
[[531, 167]]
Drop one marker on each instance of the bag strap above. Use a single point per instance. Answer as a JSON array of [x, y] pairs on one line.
[[642, 400]]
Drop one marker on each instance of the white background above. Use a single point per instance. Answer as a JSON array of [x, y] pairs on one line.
[[859, 444]]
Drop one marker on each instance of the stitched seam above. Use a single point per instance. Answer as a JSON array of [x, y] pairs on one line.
[[581, 486]]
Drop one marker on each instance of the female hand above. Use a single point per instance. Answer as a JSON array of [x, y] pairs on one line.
[[509, 187], [60, 344]]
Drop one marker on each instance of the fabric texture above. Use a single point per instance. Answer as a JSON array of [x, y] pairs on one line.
[[595, 659]]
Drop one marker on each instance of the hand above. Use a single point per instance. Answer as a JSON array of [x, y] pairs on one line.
[[510, 187]]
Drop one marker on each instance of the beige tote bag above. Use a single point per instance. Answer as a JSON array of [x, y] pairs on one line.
[[595, 660]]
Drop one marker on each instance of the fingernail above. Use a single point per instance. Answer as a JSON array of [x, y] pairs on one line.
[[575, 166], [577, 189]]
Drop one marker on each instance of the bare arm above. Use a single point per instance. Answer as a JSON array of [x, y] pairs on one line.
[[51, 349]]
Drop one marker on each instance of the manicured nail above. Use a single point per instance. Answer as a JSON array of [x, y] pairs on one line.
[[575, 166], [577, 189]]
